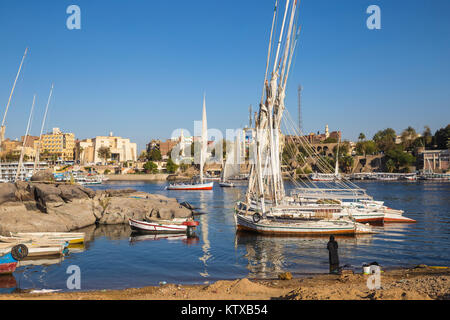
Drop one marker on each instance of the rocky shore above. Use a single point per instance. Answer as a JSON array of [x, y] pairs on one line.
[[46, 206]]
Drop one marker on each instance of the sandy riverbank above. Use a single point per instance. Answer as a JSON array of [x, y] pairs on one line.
[[403, 284]]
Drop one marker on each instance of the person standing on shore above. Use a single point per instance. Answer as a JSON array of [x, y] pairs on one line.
[[332, 247]]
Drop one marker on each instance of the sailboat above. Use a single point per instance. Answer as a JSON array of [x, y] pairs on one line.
[[266, 208], [318, 176], [232, 166], [199, 185]]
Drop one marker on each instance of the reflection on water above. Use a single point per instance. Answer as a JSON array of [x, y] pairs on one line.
[[270, 255], [113, 258], [206, 245], [169, 237], [8, 284]]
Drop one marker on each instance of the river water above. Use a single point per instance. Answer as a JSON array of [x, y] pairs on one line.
[[113, 260]]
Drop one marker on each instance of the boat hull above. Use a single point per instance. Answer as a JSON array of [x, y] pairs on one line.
[[154, 227], [226, 184], [199, 186], [305, 228], [397, 218], [7, 264]]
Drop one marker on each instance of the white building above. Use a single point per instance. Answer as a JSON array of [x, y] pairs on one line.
[[121, 149]]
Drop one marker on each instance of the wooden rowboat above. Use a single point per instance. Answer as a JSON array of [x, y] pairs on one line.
[[163, 226], [7, 264], [70, 237], [10, 254]]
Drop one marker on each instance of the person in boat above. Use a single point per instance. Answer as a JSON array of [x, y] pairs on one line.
[[332, 247]]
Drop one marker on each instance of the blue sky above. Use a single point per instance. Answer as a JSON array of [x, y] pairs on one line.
[[139, 68]]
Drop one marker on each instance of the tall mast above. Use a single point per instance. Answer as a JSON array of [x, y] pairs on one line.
[[2, 133], [204, 139], [336, 169], [300, 108], [19, 166], [38, 151], [3, 127]]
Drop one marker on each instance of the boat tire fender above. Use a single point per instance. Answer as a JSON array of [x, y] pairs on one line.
[[256, 217], [190, 231], [19, 252]]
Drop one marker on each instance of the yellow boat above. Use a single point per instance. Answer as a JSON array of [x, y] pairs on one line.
[[70, 237]]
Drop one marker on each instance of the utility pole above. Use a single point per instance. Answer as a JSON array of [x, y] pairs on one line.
[[300, 108], [250, 122]]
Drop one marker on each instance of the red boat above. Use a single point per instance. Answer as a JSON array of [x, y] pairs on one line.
[[8, 261]]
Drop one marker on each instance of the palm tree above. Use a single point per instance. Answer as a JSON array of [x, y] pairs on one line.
[[361, 137]]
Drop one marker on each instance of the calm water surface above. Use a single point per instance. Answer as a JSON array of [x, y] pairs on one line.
[[113, 260]]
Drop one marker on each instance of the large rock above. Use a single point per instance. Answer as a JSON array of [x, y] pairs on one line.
[[169, 211], [70, 207], [70, 192], [75, 214], [24, 192], [43, 176], [7, 192], [47, 195], [119, 209]]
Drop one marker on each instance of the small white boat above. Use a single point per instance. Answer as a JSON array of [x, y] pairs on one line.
[[226, 184], [164, 226], [191, 186]]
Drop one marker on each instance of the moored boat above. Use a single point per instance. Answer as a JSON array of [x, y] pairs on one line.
[[226, 184], [10, 254], [299, 227], [164, 226], [70, 237], [191, 186]]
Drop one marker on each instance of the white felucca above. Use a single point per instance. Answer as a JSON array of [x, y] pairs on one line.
[[200, 185], [232, 166], [265, 186]]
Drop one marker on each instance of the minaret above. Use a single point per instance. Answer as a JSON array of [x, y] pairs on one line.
[[182, 143]]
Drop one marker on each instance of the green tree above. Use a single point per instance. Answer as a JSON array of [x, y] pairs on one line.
[[171, 166], [154, 155], [150, 167], [399, 157], [441, 137], [346, 163], [344, 149], [104, 153], [385, 139], [408, 136], [390, 165], [362, 137], [367, 147], [427, 136]]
